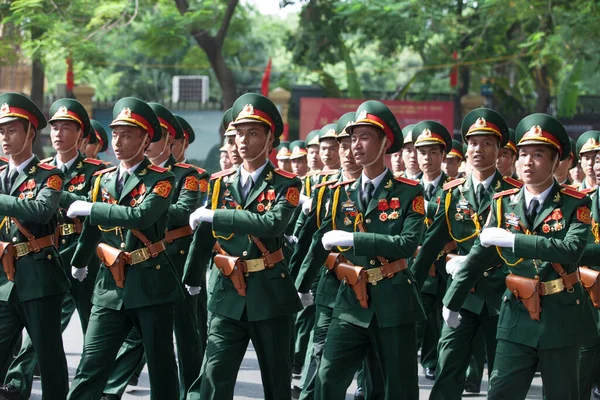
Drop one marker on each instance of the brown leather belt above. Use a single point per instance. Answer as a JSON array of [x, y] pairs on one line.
[[259, 264], [145, 253], [33, 245], [375, 275], [173, 235], [70, 229], [558, 285]]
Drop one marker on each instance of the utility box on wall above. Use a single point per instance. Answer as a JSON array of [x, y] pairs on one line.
[[190, 88]]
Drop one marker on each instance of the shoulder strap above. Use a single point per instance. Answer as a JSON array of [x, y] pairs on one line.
[[22, 229], [142, 237]]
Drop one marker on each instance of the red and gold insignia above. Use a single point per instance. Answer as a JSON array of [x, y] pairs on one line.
[[545, 228], [481, 122], [54, 182], [395, 203], [260, 207], [418, 205], [191, 183], [583, 215], [5, 109], [246, 111], [292, 196], [125, 113], [203, 185], [556, 214], [382, 205], [383, 217], [162, 188]]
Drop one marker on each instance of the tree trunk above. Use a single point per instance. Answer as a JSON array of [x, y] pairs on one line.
[[542, 88], [37, 88]]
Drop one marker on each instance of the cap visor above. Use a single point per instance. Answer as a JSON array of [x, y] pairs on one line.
[[123, 123], [6, 120]]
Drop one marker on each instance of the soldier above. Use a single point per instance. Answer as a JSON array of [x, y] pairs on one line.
[[562, 172], [315, 165], [586, 150], [69, 124], [431, 140], [180, 145], [409, 156], [234, 155], [397, 163], [34, 282], [463, 209], [453, 160], [254, 297], [283, 156], [98, 142], [539, 232], [375, 222], [137, 283], [224, 161], [508, 155], [298, 158]]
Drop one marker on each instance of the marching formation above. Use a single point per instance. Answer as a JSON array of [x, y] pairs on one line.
[[368, 249]]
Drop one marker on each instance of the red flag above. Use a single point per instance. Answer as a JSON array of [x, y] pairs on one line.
[[70, 79], [264, 86], [454, 72]]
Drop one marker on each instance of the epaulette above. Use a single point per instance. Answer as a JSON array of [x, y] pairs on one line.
[[585, 191], [92, 161], [220, 174], [572, 192], [184, 165], [5, 159], [331, 182], [200, 170], [158, 169], [343, 183], [105, 170], [506, 192], [512, 181], [327, 173], [410, 182], [454, 183], [286, 174], [46, 160], [45, 166]]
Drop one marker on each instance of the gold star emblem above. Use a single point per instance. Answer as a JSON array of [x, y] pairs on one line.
[[388, 184], [61, 112], [125, 113], [269, 176], [246, 111], [556, 198], [426, 133], [5, 109], [536, 130], [362, 115], [481, 122]]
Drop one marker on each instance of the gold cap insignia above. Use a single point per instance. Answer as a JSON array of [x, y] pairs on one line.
[[426, 132], [248, 110], [591, 142], [330, 132], [362, 115], [125, 113], [481, 122], [5, 109]]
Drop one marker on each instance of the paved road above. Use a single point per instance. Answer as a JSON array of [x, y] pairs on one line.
[[249, 382]]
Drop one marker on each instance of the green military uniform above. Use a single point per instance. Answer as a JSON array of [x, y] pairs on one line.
[[459, 218], [393, 223], [586, 143], [264, 314], [457, 152], [100, 135], [32, 297], [311, 179], [557, 233], [190, 190], [76, 186], [429, 133], [283, 151], [121, 205]]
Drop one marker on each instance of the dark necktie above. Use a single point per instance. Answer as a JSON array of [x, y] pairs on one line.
[[429, 192], [64, 169], [121, 183], [532, 210], [247, 187], [368, 193], [480, 194], [10, 179]]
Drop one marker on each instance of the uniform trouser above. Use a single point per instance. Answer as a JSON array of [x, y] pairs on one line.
[[589, 368], [346, 348], [190, 351], [455, 349], [309, 374], [477, 361], [305, 321], [227, 343], [515, 366], [428, 332], [106, 332], [41, 319]]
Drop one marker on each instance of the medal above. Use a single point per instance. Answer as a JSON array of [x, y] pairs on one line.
[[558, 226], [458, 216], [383, 217], [71, 188], [382, 205], [260, 207], [132, 203], [347, 221], [545, 228], [394, 215]]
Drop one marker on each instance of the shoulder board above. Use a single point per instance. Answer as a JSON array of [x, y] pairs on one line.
[[454, 183], [222, 173], [158, 169], [512, 181], [331, 182], [569, 191], [183, 165], [47, 160], [410, 182], [92, 161], [506, 193], [586, 191], [200, 170], [327, 173], [105, 170], [311, 173], [286, 174], [5, 159], [343, 183], [45, 166]]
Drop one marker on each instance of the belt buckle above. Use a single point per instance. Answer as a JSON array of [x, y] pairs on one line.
[[554, 286], [374, 275], [67, 229], [139, 255], [21, 249], [255, 265]]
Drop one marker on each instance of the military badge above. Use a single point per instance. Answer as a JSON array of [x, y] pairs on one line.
[[5, 109], [293, 196], [583, 214], [125, 113], [383, 217], [260, 207], [388, 185], [203, 185], [512, 219], [162, 188], [418, 205], [545, 228], [54, 182], [394, 205], [191, 183], [347, 221]]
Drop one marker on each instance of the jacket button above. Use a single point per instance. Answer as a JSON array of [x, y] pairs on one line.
[[283, 275], [368, 220], [244, 253], [158, 267], [505, 299], [14, 239], [409, 282], [181, 251], [50, 258], [372, 262], [122, 245], [486, 273], [577, 301], [536, 277], [64, 241]]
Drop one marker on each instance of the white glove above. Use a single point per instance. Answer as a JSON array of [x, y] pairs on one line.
[[306, 206], [79, 273], [201, 214], [455, 264], [306, 299], [79, 208], [193, 290], [291, 239], [303, 199], [337, 238], [452, 318], [497, 237]]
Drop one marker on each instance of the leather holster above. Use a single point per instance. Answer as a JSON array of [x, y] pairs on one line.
[[526, 291], [354, 276], [232, 268], [589, 279], [114, 260], [7, 250]]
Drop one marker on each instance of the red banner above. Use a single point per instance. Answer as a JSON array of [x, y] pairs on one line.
[[317, 112]]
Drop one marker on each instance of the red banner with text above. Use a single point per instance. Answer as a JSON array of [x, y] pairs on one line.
[[316, 112]]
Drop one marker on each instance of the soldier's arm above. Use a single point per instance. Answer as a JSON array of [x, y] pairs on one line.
[[315, 259], [203, 180], [563, 251], [141, 217], [86, 245], [269, 224], [591, 255], [187, 202], [41, 208]]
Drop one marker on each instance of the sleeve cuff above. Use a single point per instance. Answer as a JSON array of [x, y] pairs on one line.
[[223, 220]]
